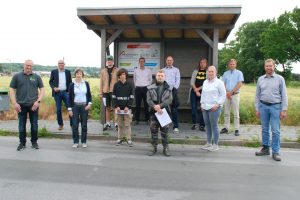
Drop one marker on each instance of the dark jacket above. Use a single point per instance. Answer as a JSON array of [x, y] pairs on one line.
[[165, 98], [72, 95], [54, 78], [122, 95]]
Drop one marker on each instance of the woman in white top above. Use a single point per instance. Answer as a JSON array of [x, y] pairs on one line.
[[80, 104], [212, 99]]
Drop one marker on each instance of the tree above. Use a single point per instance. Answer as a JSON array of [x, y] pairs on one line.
[[281, 41]]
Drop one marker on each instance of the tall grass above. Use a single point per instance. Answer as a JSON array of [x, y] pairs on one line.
[[247, 110]]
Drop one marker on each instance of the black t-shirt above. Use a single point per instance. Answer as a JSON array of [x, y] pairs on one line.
[[200, 78], [109, 70]]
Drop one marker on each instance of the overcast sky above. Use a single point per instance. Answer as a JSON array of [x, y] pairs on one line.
[[48, 30]]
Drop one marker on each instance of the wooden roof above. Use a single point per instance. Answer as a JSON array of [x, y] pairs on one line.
[[161, 22]]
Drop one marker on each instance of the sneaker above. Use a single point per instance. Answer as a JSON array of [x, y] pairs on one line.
[[175, 130], [194, 127], [206, 146], [60, 127], [130, 144], [224, 130], [166, 152], [75, 145], [214, 147], [119, 142], [201, 128], [21, 147], [106, 126], [35, 145], [116, 127], [84, 145], [236, 133], [263, 152], [276, 157]]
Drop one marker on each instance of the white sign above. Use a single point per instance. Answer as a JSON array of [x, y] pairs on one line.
[[130, 52]]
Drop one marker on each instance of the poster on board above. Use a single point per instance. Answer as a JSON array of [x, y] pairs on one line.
[[130, 52]]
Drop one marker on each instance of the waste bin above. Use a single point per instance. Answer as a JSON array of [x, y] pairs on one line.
[[4, 100]]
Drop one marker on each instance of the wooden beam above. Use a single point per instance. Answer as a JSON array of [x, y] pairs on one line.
[[132, 18], [205, 38], [215, 48], [113, 37]]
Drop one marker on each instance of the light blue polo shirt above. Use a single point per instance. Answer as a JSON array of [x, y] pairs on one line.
[[231, 78]]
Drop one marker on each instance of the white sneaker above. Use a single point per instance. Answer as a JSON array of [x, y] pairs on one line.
[[215, 147], [84, 145], [75, 145], [206, 146], [176, 130], [129, 142], [119, 142]]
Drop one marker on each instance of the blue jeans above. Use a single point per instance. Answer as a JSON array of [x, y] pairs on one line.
[[270, 115], [174, 114], [59, 97], [79, 115], [33, 117], [197, 116], [211, 119]]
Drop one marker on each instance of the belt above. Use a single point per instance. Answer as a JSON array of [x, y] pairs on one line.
[[141, 86], [80, 103], [269, 104]]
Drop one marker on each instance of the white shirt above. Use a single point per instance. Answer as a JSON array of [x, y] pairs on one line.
[[62, 80], [80, 91], [213, 92], [142, 77]]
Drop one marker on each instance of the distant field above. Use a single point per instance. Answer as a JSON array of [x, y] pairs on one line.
[[247, 111]]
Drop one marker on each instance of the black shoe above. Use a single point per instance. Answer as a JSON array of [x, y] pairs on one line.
[[224, 130], [119, 142], [116, 127], [276, 157], [106, 126], [236, 133], [263, 152], [21, 147], [35, 145], [153, 151], [201, 128], [194, 127], [166, 152]]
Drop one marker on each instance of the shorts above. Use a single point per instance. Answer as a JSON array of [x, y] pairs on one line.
[[108, 99]]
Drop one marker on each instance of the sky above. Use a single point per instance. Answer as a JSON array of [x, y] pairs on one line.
[[49, 30]]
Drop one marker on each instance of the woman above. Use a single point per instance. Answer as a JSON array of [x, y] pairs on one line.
[[212, 99], [197, 79], [80, 102]]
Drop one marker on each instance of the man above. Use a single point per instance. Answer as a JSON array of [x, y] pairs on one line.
[[172, 76], [159, 96], [108, 78], [271, 104], [142, 77], [122, 99], [197, 79], [233, 80], [60, 81], [26, 93]]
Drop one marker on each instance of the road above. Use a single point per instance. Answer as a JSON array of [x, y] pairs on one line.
[[104, 171]]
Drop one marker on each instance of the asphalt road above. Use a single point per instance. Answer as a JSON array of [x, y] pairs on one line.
[[104, 171]]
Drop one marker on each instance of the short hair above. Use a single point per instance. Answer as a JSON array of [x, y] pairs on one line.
[[77, 71], [142, 58], [121, 71], [161, 71], [270, 60], [232, 60]]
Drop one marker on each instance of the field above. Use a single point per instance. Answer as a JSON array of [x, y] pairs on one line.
[[247, 111]]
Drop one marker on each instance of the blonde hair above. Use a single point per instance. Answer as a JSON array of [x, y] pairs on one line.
[[270, 60]]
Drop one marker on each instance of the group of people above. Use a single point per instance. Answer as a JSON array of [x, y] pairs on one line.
[[117, 94]]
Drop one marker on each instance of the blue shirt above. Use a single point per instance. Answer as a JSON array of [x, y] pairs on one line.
[[172, 76], [80, 91], [231, 78]]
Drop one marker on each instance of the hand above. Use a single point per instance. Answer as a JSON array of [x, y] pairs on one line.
[[56, 89], [228, 95], [198, 94], [70, 113], [35, 106], [215, 107], [283, 114], [157, 108], [126, 109], [257, 114], [118, 109], [87, 107], [17, 107]]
